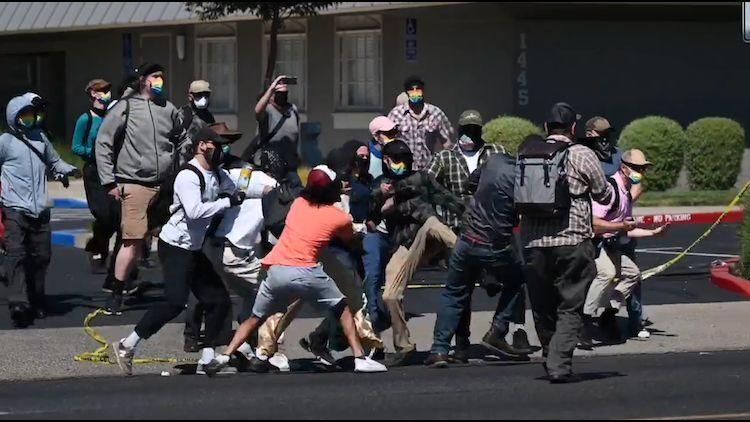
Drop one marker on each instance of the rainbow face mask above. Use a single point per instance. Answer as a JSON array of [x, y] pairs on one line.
[[157, 86], [105, 98], [27, 120], [635, 177], [416, 96], [399, 169]]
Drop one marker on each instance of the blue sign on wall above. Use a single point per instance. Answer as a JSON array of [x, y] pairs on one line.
[[411, 40]]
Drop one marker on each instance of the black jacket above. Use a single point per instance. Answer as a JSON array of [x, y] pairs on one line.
[[415, 199]]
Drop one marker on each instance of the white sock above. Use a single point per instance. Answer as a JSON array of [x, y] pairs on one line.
[[223, 359], [132, 341], [246, 350], [207, 354], [515, 327]]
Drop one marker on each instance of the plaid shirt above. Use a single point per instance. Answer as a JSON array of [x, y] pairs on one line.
[[450, 169], [418, 132], [585, 176]]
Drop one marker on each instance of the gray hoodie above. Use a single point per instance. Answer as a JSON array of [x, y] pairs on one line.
[[23, 174], [146, 150]]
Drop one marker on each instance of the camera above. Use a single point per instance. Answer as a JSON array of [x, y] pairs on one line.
[[289, 81]]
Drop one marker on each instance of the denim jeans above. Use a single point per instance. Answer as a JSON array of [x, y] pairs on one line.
[[377, 248], [467, 262]]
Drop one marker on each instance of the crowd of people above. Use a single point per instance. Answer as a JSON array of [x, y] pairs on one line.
[[347, 241]]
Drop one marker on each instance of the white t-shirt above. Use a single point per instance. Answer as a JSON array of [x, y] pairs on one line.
[[242, 225], [472, 160], [191, 212]]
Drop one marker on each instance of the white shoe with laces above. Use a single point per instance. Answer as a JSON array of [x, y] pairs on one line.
[[367, 365], [644, 334], [280, 361]]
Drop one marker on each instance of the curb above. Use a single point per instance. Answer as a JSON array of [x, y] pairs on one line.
[[71, 238], [721, 277], [690, 218], [69, 203]]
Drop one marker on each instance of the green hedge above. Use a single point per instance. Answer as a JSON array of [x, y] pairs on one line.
[[509, 132], [663, 141], [713, 153], [745, 238]]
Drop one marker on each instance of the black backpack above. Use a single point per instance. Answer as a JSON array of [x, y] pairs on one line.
[[158, 209]]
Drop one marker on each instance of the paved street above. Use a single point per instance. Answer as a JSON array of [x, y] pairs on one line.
[[645, 386]]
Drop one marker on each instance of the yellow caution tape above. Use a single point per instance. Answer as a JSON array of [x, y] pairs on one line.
[[663, 267], [101, 354]]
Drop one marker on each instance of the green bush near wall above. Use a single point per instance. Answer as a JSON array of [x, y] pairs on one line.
[[509, 131], [663, 142], [713, 153]]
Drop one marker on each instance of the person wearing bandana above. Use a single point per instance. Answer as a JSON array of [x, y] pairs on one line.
[[615, 226], [102, 206], [451, 168], [406, 200], [202, 190], [423, 126], [26, 158]]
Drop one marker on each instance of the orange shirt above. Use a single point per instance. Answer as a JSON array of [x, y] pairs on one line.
[[309, 228]]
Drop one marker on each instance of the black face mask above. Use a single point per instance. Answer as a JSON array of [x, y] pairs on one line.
[[602, 146], [475, 133], [217, 157], [281, 98]]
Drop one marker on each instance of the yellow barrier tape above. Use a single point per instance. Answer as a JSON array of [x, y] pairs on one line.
[[101, 355], [663, 267]]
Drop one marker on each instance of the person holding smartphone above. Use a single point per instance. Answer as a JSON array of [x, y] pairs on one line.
[[617, 273], [278, 120]]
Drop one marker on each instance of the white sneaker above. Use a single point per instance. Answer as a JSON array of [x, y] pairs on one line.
[[224, 370], [367, 365], [280, 361], [644, 334]]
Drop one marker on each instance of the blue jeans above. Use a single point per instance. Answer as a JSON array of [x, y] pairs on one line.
[[466, 265], [377, 248]]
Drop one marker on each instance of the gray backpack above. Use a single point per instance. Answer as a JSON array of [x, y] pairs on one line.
[[541, 184]]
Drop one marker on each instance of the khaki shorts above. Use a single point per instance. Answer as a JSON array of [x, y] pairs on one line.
[[135, 200]]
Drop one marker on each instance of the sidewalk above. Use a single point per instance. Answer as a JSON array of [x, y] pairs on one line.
[[48, 353]]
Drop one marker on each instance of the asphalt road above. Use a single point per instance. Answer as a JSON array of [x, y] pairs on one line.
[[646, 386], [73, 292]]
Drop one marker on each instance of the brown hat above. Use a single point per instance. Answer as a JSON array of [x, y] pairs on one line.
[[599, 124], [635, 157], [97, 85], [223, 130]]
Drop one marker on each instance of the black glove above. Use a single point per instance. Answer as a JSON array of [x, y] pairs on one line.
[[75, 173], [237, 198], [62, 179]]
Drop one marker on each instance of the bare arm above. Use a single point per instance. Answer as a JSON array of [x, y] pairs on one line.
[[603, 226], [260, 107]]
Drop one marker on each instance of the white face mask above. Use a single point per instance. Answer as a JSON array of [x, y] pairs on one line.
[[201, 103]]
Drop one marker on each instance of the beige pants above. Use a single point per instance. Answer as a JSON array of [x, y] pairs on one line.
[[344, 273], [616, 278], [433, 238]]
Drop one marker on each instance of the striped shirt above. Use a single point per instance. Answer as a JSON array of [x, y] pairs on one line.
[[419, 132], [451, 170], [586, 180]]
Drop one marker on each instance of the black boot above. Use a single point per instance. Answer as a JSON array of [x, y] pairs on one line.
[[521, 342], [608, 325]]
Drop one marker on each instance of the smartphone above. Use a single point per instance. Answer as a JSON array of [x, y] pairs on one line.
[[289, 81]]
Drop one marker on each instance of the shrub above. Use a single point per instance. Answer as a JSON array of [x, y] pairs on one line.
[[745, 237], [662, 140], [713, 153], [509, 132]]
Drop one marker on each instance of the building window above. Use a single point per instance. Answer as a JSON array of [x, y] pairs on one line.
[[358, 64], [291, 60], [217, 63]]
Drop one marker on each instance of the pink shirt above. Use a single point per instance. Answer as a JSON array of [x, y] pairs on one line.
[[608, 212]]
